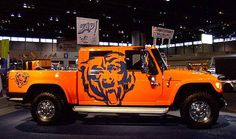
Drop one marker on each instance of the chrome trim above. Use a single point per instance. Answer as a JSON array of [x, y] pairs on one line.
[[200, 111], [141, 110], [16, 99], [46, 109]]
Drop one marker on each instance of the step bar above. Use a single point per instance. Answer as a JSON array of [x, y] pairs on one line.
[[140, 110]]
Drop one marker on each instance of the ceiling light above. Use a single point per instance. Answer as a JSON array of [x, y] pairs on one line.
[[220, 12], [32, 6], [24, 5], [19, 15], [108, 17]]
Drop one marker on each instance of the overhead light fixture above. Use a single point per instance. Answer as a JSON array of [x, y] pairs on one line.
[[33, 6], [19, 15], [57, 19], [220, 12], [24, 5], [51, 19], [108, 17]]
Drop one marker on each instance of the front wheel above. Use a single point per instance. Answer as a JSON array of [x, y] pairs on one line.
[[200, 110], [47, 108]]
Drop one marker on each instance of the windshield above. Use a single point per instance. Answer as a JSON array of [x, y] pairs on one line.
[[159, 59]]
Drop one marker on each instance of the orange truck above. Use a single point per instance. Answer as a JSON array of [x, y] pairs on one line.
[[118, 80]]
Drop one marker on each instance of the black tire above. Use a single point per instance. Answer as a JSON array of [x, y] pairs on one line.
[[55, 108], [190, 106]]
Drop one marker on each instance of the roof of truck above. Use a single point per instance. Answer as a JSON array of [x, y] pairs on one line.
[[105, 48]]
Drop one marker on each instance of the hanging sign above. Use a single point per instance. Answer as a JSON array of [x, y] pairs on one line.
[[87, 31], [158, 32]]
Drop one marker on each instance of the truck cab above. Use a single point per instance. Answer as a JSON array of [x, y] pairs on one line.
[[119, 80]]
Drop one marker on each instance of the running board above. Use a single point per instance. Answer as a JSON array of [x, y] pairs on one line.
[[140, 110], [15, 99]]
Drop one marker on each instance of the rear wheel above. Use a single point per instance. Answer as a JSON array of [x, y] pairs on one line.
[[47, 108], [200, 110]]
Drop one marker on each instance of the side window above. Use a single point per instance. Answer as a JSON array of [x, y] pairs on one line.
[[133, 60], [98, 53], [151, 66]]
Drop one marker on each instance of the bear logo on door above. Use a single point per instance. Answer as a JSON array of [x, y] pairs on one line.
[[107, 78]]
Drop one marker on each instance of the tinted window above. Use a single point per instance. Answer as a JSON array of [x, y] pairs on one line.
[[98, 53], [133, 60]]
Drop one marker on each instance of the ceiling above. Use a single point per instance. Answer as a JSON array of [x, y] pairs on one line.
[[118, 18]]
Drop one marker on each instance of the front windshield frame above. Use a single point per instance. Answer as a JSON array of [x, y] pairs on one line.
[[159, 59]]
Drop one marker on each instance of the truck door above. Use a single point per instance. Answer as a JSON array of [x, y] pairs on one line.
[[99, 79], [146, 88]]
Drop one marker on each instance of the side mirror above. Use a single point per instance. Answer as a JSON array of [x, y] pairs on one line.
[[144, 60]]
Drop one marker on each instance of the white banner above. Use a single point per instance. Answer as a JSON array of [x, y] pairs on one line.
[[87, 31], [158, 32]]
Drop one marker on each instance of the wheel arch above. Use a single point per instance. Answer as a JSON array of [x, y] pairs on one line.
[[36, 89], [187, 89]]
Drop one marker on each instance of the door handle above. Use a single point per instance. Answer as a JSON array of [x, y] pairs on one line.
[[153, 83]]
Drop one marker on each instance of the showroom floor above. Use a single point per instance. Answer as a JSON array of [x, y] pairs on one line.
[[16, 122]]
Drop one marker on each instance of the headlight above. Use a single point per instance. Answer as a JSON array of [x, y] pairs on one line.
[[218, 85]]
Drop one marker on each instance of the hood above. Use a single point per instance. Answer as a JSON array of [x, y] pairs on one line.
[[181, 74]]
